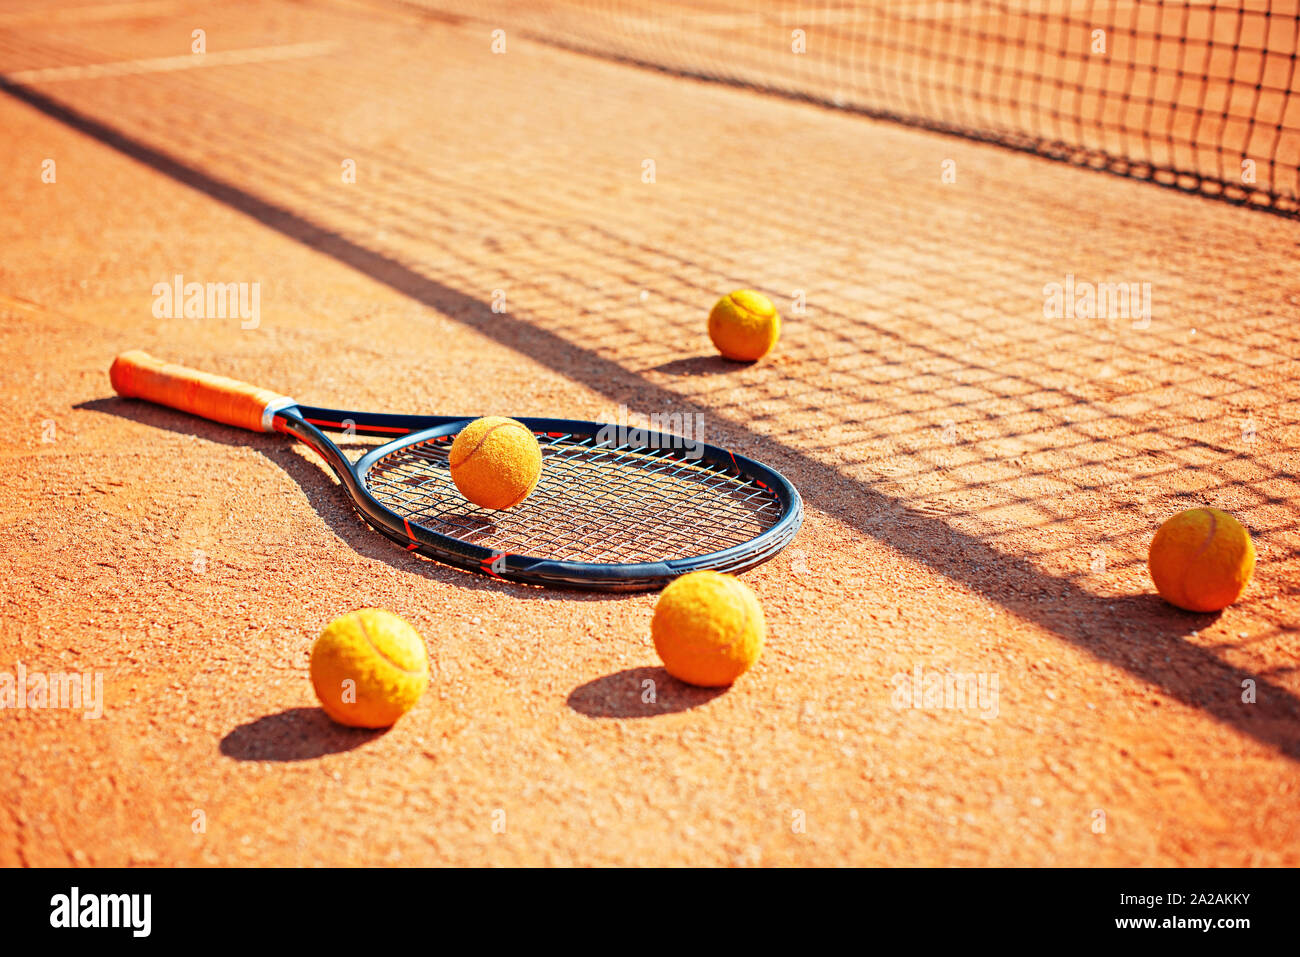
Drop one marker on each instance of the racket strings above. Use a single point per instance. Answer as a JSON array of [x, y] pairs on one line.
[[594, 503]]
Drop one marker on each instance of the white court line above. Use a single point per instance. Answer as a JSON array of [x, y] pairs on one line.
[[108, 11], [165, 64]]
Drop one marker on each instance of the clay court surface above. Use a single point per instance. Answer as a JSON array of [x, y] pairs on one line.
[[981, 482]]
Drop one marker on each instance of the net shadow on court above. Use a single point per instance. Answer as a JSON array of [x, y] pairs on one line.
[[915, 405], [1190, 94]]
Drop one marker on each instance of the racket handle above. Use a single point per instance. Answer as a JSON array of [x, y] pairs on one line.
[[138, 375]]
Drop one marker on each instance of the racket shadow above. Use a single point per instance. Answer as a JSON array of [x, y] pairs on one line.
[[638, 693], [324, 495]]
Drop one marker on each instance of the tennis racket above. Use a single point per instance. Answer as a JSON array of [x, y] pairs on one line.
[[615, 509]]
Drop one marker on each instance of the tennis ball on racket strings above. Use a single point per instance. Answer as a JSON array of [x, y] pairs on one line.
[[1202, 559], [708, 628], [744, 325], [495, 462], [369, 667]]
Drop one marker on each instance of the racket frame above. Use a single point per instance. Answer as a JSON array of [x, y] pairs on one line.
[[310, 423]]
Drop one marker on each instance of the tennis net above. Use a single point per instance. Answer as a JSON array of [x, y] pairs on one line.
[[1196, 94]]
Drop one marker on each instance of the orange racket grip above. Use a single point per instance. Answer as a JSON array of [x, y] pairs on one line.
[[138, 375]]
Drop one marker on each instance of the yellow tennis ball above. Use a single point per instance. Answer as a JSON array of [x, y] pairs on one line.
[[369, 668], [708, 628], [1201, 559], [496, 462], [744, 325]]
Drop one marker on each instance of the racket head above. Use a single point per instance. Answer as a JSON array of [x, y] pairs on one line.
[[616, 509]]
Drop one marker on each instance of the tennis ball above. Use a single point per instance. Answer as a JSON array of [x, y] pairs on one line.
[[708, 628], [368, 667], [496, 462], [1201, 559], [744, 325]]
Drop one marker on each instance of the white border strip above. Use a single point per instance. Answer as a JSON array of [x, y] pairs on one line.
[[166, 64]]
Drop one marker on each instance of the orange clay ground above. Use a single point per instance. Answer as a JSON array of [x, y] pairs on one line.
[[981, 482]]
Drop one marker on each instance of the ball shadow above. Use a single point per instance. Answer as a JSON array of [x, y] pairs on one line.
[[701, 365], [624, 695], [1183, 620], [296, 734]]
